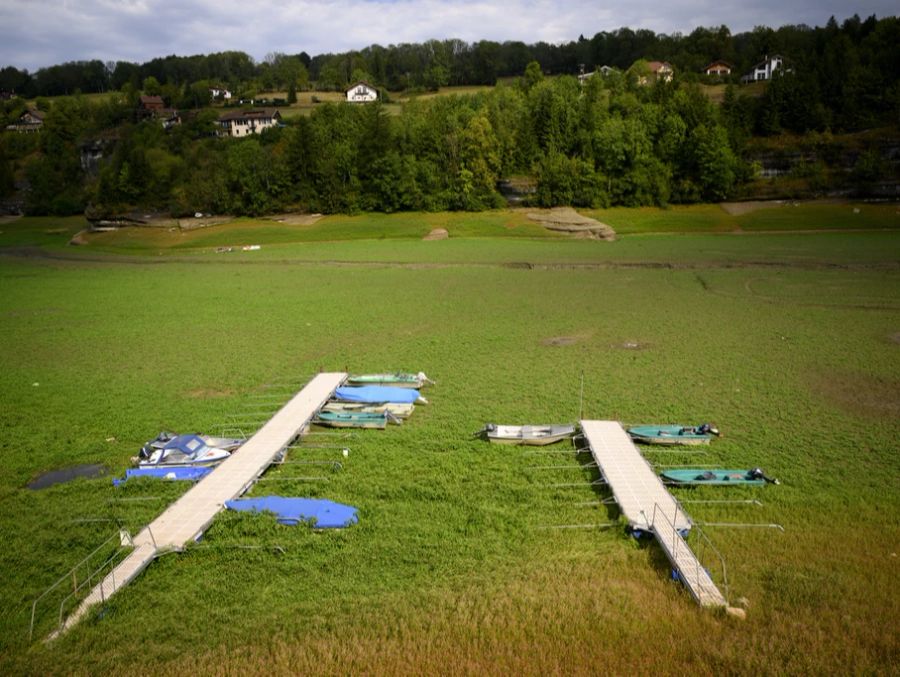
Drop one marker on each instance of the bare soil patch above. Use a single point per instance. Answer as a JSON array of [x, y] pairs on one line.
[[193, 223], [294, 219], [567, 220], [631, 345], [895, 337], [79, 238], [437, 234], [9, 218], [560, 341], [866, 396], [739, 208]]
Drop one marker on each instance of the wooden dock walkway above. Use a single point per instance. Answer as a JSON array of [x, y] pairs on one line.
[[647, 504], [186, 519]]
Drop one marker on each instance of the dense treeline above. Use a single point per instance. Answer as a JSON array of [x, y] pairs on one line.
[[847, 74], [622, 139], [611, 141]]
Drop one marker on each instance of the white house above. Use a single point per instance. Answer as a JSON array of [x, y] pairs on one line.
[[603, 71], [765, 69], [220, 92], [362, 92], [245, 122]]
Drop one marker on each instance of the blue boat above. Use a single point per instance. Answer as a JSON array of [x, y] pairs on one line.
[[378, 394]]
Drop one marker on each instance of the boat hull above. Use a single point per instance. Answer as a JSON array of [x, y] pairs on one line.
[[698, 476], [353, 419], [398, 410], [667, 435], [533, 436]]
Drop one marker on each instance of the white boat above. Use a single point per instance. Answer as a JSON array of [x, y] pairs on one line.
[[532, 435], [398, 380], [184, 450], [398, 409]]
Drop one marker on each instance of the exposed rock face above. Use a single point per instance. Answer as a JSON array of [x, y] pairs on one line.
[[567, 220], [437, 234]]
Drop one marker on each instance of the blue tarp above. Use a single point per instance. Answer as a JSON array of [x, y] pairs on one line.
[[376, 394], [327, 514], [184, 473]]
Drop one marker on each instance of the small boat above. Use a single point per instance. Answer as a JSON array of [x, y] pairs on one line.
[[399, 380], [184, 450], [355, 419], [161, 440], [673, 434], [397, 409], [378, 395], [718, 477], [532, 435]]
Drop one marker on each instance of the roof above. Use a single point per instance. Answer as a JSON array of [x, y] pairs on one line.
[[357, 84], [656, 66], [35, 113], [717, 62], [254, 114], [147, 99]]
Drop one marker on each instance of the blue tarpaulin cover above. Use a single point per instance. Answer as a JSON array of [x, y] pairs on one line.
[[186, 473], [376, 394], [327, 514]]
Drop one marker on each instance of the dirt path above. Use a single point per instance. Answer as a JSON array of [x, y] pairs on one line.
[[80, 256]]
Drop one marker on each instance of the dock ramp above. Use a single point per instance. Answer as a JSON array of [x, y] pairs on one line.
[[186, 519], [647, 505]]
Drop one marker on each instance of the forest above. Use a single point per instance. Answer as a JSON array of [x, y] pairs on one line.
[[622, 139]]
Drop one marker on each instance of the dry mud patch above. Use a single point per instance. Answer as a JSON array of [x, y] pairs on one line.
[[867, 396]]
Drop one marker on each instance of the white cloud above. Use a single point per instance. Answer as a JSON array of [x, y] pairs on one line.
[[52, 31]]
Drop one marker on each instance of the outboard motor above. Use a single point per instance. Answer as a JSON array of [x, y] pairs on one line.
[[707, 429]]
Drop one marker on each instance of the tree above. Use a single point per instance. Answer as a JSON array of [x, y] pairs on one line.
[[151, 86], [533, 75]]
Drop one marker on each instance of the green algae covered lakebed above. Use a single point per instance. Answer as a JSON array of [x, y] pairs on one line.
[[788, 342]]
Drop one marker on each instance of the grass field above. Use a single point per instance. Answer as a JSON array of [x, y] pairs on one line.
[[790, 342]]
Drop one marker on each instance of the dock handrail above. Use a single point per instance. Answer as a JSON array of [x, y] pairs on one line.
[[678, 541]]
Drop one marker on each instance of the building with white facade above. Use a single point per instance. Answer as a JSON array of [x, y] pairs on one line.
[[245, 122], [362, 92]]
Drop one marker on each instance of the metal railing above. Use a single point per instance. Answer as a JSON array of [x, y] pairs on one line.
[[85, 574], [678, 542]]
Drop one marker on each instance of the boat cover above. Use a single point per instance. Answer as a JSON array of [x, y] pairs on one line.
[[323, 513], [376, 394], [191, 474]]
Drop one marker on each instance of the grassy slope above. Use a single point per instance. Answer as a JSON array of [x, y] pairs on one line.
[[446, 570]]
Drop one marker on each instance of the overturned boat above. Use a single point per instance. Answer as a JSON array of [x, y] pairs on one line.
[[717, 477], [378, 395], [398, 380], [673, 434], [532, 435]]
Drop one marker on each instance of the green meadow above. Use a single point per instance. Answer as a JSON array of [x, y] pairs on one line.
[[789, 341]]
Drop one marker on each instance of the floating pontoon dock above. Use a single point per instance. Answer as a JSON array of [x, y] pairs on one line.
[[186, 519], [647, 505]]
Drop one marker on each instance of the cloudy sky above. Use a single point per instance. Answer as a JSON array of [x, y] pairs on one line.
[[36, 33]]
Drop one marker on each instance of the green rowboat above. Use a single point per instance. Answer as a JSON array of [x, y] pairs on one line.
[[355, 419], [673, 434], [398, 409], [729, 478]]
